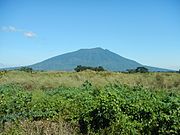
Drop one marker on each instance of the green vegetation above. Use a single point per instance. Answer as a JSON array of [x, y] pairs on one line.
[[47, 80], [82, 68], [26, 69], [89, 102], [138, 70], [115, 109], [141, 69]]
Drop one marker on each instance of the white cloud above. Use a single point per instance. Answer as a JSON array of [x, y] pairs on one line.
[[26, 33], [30, 34], [10, 29]]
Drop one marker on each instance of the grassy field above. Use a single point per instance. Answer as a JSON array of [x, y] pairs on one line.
[[88, 102], [48, 80]]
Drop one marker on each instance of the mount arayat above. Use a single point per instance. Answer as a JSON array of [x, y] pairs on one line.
[[90, 57]]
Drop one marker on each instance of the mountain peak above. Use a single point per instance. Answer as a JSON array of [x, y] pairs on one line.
[[90, 49], [98, 48], [89, 57]]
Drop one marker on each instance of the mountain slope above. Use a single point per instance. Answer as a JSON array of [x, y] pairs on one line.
[[88, 57]]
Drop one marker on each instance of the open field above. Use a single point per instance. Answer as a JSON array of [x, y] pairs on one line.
[[48, 80], [88, 102]]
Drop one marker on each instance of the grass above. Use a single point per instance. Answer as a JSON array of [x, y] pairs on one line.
[[41, 127], [48, 80]]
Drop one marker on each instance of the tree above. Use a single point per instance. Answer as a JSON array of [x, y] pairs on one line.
[[100, 68], [82, 68], [26, 69], [141, 70], [131, 70], [78, 68]]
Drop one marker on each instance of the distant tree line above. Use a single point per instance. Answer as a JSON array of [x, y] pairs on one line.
[[138, 70], [26, 69], [82, 68]]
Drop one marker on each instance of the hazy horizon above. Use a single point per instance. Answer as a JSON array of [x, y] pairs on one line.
[[145, 31]]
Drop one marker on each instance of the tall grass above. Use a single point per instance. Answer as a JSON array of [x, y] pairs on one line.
[[48, 80]]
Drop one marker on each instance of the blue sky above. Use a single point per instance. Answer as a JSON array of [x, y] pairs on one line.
[[147, 31]]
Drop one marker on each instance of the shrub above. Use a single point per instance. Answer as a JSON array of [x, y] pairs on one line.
[[114, 109]]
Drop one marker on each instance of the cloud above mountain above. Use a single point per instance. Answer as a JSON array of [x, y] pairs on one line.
[[26, 33]]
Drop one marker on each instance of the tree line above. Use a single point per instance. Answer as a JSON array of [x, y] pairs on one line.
[[99, 68], [138, 70], [82, 68]]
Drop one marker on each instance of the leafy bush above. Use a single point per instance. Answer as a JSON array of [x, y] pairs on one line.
[[114, 109], [15, 104]]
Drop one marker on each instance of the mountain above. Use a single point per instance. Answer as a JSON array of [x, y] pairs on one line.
[[4, 66], [90, 57]]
